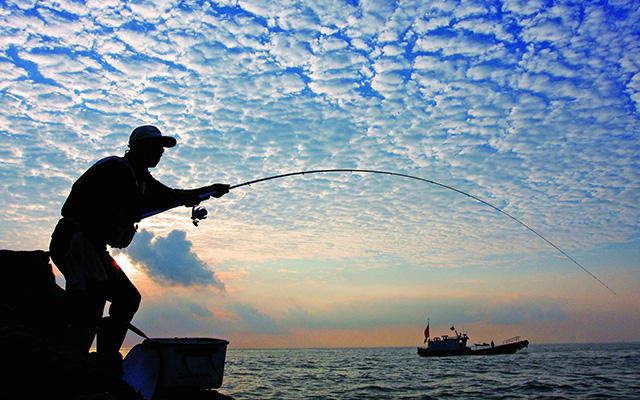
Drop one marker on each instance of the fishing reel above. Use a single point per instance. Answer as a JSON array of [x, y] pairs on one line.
[[198, 214]]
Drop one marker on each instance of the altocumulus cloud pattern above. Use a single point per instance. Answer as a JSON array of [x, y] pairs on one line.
[[531, 105]]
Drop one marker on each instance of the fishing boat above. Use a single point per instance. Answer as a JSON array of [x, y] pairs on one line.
[[456, 345]]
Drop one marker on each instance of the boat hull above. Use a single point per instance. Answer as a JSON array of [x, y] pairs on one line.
[[508, 348]]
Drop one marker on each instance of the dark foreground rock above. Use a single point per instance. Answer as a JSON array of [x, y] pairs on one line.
[[35, 361]]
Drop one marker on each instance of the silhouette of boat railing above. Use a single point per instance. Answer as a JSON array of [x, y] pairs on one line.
[[511, 340]]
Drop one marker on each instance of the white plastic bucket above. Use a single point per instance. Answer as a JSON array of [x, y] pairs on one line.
[[175, 363], [190, 362]]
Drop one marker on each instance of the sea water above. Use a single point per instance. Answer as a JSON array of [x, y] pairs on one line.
[[559, 371]]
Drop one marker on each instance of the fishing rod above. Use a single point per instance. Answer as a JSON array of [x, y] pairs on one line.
[[200, 213]]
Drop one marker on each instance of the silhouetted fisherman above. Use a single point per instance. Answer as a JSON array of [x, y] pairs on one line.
[[102, 209]]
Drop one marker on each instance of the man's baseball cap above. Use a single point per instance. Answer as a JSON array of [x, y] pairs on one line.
[[150, 133]]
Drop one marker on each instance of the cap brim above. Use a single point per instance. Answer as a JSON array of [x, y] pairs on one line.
[[165, 141], [168, 141]]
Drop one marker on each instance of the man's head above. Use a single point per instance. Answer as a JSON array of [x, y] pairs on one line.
[[147, 144], [149, 133]]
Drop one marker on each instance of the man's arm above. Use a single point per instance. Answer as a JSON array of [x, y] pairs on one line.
[[193, 197], [162, 197]]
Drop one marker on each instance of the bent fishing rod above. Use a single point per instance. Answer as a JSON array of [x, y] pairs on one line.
[[201, 213]]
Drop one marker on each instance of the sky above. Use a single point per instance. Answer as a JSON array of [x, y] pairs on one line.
[[532, 106]]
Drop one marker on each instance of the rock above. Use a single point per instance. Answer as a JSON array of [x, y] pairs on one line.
[[29, 293], [36, 361]]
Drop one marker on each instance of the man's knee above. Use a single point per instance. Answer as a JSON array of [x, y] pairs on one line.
[[126, 304], [135, 300]]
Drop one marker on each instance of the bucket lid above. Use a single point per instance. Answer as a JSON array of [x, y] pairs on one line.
[[186, 341]]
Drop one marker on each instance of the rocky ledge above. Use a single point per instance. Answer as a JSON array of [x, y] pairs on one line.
[[36, 362]]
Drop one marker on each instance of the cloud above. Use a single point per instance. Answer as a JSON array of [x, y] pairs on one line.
[[170, 260], [256, 321], [532, 107], [176, 315], [525, 310], [400, 311]]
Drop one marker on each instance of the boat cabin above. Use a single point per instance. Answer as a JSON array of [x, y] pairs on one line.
[[449, 343]]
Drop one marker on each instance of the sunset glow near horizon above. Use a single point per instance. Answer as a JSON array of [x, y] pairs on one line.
[[532, 106]]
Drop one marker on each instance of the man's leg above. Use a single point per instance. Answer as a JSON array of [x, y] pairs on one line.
[[85, 310], [125, 300], [84, 307]]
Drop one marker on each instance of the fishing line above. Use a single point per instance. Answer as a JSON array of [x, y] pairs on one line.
[[370, 171]]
